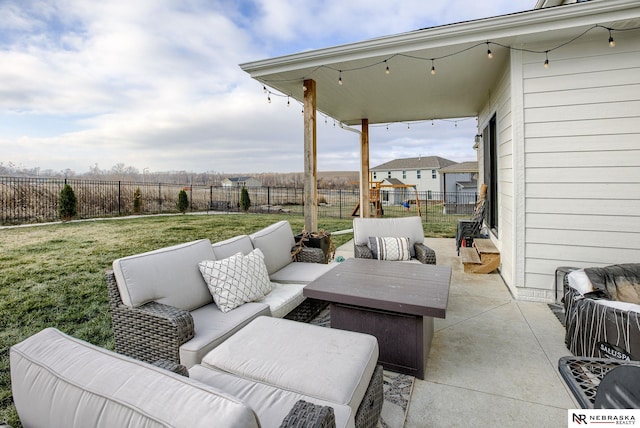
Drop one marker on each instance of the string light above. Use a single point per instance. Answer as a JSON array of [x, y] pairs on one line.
[[546, 61], [433, 68], [288, 102], [387, 71], [264, 89], [269, 98], [489, 53], [612, 43], [340, 78]]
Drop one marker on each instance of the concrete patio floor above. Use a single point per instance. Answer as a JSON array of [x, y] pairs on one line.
[[493, 360]]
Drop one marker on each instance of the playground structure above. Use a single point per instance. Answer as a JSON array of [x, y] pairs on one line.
[[375, 195]]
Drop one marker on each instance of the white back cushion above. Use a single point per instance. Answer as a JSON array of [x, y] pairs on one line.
[[410, 227], [275, 242], [60, 381], [169, 275], [229, 247]]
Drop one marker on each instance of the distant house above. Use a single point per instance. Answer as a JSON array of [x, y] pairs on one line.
[[241, 182], [460, 182], [421, 172]]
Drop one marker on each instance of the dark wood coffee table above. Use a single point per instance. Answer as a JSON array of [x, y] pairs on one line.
[[393, 301]]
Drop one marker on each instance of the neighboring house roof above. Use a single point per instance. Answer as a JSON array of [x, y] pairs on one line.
[[460, 167], [422, 162], [463, 76], [393, 181], [238, 179]]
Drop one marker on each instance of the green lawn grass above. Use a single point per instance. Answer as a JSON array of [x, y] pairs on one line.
[[53, 275]]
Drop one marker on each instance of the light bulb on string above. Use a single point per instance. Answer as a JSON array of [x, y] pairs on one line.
[[264, 89], [269, 98], [612, 43], [387, 71], [288, 101], [489, 53], [340, 78], [546, 61], [433, 68]]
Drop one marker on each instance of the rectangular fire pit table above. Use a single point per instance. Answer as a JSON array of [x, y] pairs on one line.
[[393, 301]]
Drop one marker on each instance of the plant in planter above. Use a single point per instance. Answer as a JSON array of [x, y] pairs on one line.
[[67, 204], [320, 239]]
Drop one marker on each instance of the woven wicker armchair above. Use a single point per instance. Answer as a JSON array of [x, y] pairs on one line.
[[410, 227], [151, 332]]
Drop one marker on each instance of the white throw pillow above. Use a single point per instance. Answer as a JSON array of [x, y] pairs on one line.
[[579, 281], [237, 279], [389, 248]]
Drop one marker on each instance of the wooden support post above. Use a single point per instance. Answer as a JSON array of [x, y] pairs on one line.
[[310, 197], [365, 205]]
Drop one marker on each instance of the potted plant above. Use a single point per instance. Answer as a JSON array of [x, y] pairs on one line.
[[320, 239]]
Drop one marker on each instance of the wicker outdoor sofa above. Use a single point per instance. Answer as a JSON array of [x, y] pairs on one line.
[[161, 307], [58, 380], [164, 309], [366, 230]]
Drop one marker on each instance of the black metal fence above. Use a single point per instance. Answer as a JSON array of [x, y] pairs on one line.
[[35, 200]]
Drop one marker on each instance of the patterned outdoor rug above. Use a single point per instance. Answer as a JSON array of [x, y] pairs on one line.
[[397, 387]]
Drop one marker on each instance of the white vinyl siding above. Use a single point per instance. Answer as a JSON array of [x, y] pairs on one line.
[[582, 156], [500, 105]]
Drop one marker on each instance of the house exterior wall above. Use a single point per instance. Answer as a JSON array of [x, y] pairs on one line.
[[582, 158], [425, 183], [499, 103]]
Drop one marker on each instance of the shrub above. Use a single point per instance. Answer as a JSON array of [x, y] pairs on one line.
[[183, 201], [137, 201], [67, 204], [245, 201]]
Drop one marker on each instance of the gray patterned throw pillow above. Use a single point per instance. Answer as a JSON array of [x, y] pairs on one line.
[[237, 279], [389, 248]]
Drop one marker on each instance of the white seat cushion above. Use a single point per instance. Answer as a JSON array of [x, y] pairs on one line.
[[283, 298], [212, 327], [270, 403], [301, 272], [333, 365]]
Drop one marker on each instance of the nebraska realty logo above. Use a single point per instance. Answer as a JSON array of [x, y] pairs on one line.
[[600, 417]]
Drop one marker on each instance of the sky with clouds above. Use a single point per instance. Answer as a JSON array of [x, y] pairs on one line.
[[156, 83]]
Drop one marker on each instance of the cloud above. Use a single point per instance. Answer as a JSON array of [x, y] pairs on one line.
[[156, 84]]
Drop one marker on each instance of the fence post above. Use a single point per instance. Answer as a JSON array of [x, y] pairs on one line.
[[119, 196], [340, 203], [159, 197]]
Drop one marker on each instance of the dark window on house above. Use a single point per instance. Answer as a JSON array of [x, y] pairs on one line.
[[490, 154], [433, 174], [389, 174], [418, 175], [404, 174], [374, 175]]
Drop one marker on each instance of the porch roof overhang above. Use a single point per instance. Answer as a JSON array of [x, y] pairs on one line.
[[464, 75]]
